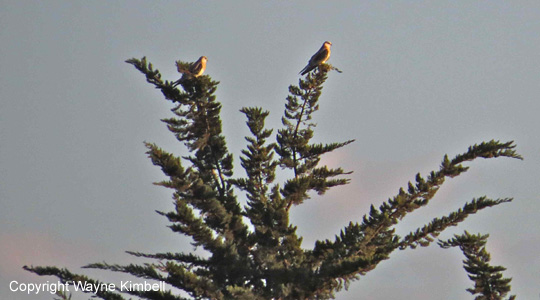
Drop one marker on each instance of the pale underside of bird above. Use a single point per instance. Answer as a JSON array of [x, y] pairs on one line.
[[318, 58]]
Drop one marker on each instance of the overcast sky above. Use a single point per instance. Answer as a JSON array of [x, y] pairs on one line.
[[420, 79]]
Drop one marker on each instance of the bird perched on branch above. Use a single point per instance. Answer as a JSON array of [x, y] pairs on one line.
[[318, 58], [195, 69], [198, 67]]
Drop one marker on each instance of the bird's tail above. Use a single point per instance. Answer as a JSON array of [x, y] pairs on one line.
[[306, 70], [182, 79]]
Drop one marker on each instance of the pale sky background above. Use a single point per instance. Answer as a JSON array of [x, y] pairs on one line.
[[420, 79]]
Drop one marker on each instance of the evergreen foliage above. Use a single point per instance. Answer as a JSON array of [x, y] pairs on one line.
[[489, 283], [253, 252]]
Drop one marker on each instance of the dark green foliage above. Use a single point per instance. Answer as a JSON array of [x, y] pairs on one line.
[[423, 236], [253, 252], [66, 276], [489, 283], [294, 149]]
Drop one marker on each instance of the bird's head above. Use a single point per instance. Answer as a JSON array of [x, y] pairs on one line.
[[327, 44], [204, 58]]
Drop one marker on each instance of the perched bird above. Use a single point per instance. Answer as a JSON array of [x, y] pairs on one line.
[[318, 58], [198, 67]]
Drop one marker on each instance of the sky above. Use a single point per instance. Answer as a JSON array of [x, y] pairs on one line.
[[420, 80]]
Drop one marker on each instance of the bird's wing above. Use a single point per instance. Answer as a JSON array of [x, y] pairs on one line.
[[320, 56], [196, 67]]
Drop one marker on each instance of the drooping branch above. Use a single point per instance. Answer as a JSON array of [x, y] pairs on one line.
[[489, 282]]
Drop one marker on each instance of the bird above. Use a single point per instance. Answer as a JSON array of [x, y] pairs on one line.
[[198, 67], [318, 58]]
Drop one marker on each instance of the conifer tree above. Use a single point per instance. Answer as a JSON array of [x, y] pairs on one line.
[[253, 251]]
